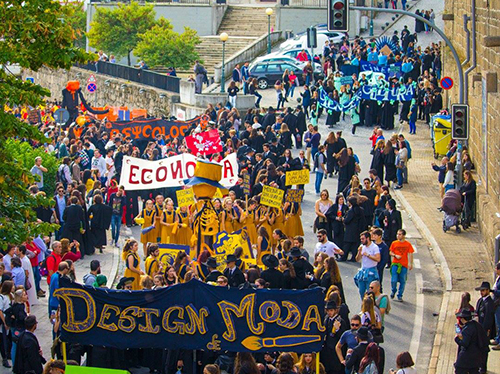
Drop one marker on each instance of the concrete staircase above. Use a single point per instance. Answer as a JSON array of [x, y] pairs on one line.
[[245, 21], [243, 24], [210, 49]]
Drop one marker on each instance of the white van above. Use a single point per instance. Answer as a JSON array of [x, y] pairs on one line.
[[300, 41]]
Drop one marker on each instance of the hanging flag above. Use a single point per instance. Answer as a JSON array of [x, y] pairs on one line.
[[204, 143]]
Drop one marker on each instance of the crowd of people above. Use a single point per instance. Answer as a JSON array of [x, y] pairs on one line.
[[360, 224]]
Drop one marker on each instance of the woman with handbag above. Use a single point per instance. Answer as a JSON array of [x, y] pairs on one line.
[[16, 316]]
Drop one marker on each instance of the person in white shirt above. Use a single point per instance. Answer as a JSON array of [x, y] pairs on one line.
[[325, 246], [11, 252], [99, 163], [110, 165], [369, 255]]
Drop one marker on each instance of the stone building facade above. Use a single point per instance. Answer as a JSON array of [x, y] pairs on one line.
[[484, 102]]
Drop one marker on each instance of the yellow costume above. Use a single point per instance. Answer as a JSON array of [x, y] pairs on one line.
[[149, 220], [228, 221], [159, 213], [136, 285], [184, 234], [166, 231], [236, 222], [152, 266], [293, 223], [249, 223]]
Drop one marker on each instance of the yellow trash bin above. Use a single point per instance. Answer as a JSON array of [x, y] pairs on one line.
[[441, 136]]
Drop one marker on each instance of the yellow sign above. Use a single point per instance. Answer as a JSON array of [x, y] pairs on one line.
[[294, 196], [271, 197], [185, 197], [297, 177]]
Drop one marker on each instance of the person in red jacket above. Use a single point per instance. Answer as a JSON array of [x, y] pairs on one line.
[[53, 260], [302, 56]]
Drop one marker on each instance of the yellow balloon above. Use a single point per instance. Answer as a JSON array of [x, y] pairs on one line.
[[80, 121]]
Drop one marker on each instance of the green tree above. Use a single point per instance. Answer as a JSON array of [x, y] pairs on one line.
[[117, 30], [77, 19], [161, 46], [33, 35]]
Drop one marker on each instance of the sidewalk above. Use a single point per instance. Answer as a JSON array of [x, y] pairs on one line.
[[462, 258]]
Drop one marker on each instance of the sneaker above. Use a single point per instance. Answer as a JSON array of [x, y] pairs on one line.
[[398, 187], [40, 294], [392, 296], [6, 364], [400, 299], [496, 347], [493, 342]]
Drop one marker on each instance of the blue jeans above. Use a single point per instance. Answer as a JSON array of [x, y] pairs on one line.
[[259, 97], [399, 175], [398, 278], [116, 222], [292, 90], [36, 274], [319, 179], [413, 127], [364, 277]]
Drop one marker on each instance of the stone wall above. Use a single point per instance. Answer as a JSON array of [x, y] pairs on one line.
[[484, 102], [110, 91]]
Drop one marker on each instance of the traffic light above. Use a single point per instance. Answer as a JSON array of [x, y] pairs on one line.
[[338, 15], [460, 121]]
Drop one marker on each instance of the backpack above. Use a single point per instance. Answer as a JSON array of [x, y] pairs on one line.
[[388, 308], [316, 160], [61, 176], [43, 264], [9, 317]]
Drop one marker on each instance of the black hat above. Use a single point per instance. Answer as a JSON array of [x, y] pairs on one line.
[[271, 261], [231, 258], [295, 252], [363, 333], [484, 286], [464, 313], [331, 305], [211, 262], [124, 281]]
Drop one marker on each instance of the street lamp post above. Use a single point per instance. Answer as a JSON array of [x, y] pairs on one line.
[[223, 38], [269, 12], [371, 20]]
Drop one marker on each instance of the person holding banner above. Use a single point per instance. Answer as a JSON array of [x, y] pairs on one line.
[[263, 246], [152, 265], [293, 223], [132, 263]]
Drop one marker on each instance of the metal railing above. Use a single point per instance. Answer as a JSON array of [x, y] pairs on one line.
[[309, 3], [204, 2], [145, 77]]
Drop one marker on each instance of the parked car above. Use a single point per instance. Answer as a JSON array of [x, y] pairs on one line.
[[288, 56], [267, 73]]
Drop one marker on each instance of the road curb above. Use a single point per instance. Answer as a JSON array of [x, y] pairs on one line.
[[445, 276]]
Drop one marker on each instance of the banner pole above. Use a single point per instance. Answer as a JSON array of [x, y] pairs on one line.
[[63, 346], [317, 362]]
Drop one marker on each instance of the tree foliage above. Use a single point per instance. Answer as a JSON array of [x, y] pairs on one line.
[[117, 30], [33, 35], [162, 46], [77, 19]]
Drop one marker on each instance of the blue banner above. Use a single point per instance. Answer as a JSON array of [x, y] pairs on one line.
[[392, 70], [193, 315], [377, 93]]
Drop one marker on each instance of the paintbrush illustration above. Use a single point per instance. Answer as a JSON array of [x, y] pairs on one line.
[[255, 343]]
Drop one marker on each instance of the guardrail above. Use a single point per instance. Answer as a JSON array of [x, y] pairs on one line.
[[145, 77], [308, 3]]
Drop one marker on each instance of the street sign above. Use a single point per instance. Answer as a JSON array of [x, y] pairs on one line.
[[91, 79], [338, 15], [312, 39], [61, 116], [446, 83], [91, 87], [31, 79]]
